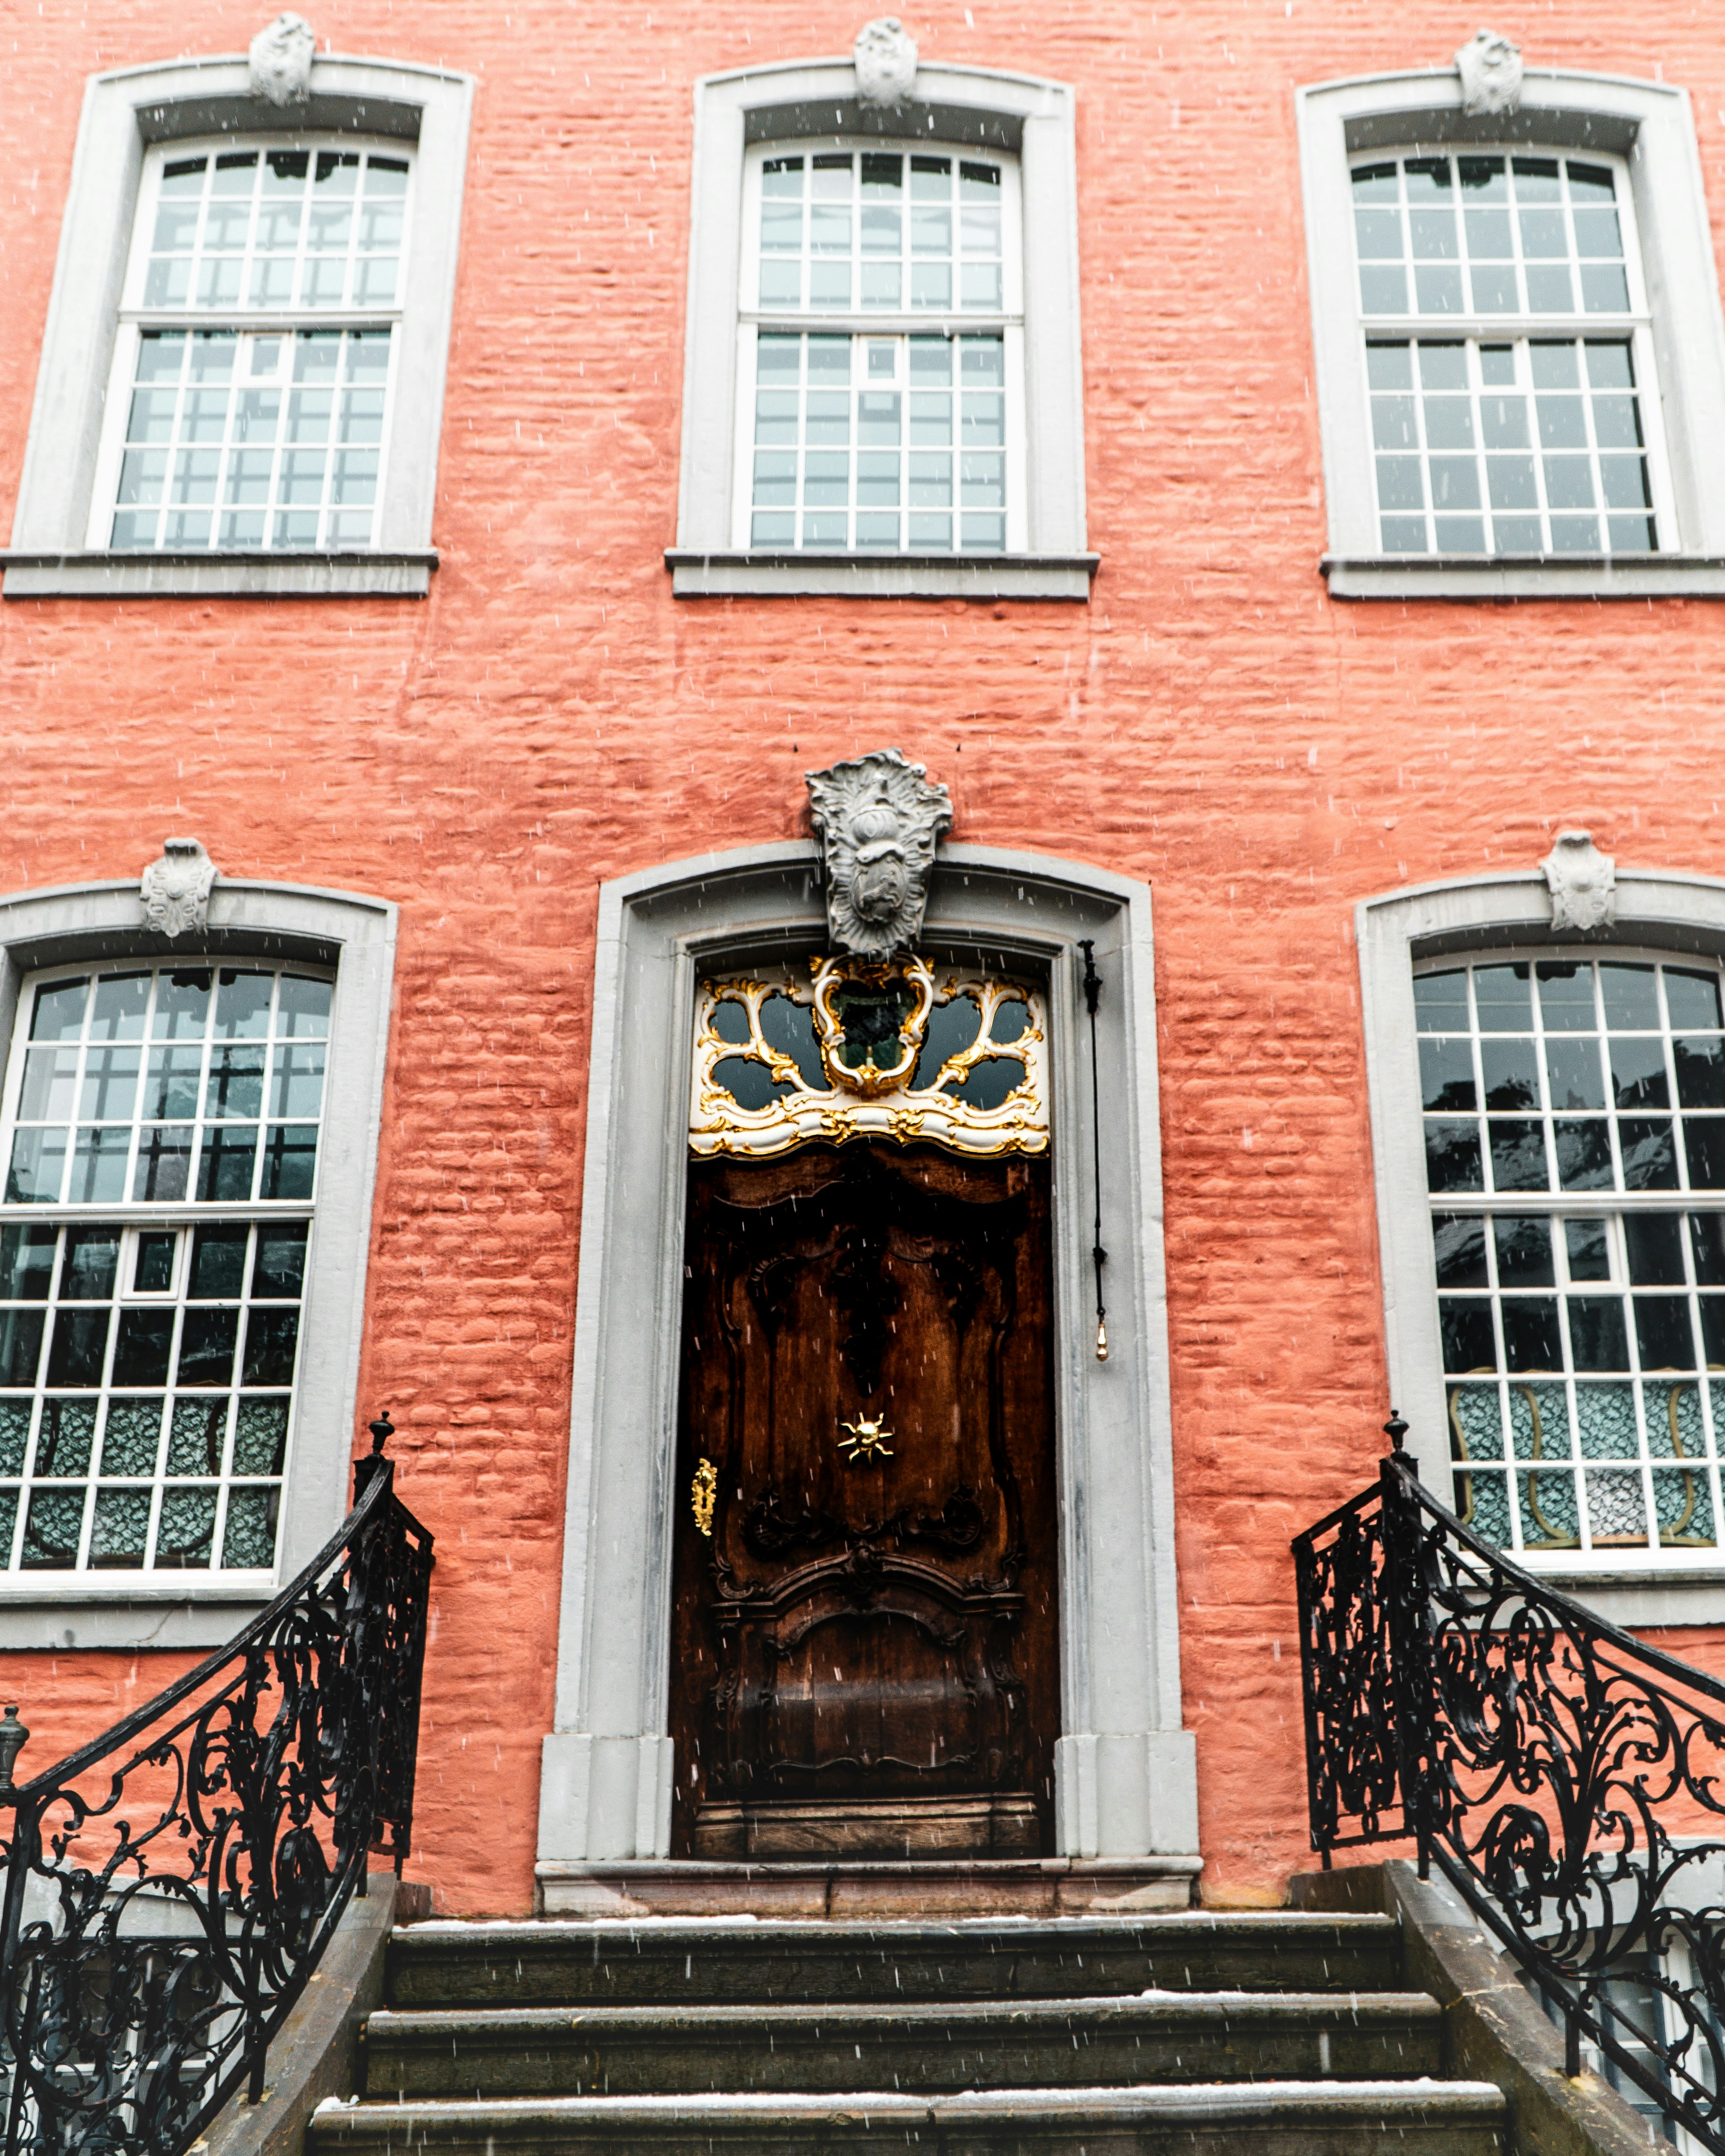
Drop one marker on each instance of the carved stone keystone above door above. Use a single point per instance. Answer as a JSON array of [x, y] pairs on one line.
[[878, 820], [1583, 883]]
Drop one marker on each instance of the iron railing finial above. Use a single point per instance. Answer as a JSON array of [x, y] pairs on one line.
[[13, 1737]]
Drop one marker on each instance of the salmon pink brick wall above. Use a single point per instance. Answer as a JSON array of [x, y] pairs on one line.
[[551, 717]]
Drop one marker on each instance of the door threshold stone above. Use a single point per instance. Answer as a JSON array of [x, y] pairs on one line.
[[979, 1886]]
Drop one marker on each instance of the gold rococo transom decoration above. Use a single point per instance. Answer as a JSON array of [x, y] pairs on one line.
[[856, 1049]]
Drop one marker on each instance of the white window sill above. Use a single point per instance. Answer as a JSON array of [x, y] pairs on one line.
[[54, 1617], [260, 575], [770, 574], [1526, 577], [1661, 1594]]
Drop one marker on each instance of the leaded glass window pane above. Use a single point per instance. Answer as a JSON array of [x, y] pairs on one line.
[[148, 1356], [1575, 1153]]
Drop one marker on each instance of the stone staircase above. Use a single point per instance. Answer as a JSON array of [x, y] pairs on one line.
[[1282, 2035]]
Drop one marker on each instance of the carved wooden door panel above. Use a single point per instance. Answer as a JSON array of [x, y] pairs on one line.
[[866, 1647]]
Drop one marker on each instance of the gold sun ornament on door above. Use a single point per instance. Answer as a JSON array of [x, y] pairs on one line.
[[851, 1047], [865, 1438]]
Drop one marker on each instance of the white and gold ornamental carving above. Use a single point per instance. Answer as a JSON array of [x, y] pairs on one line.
[[837, 1053]]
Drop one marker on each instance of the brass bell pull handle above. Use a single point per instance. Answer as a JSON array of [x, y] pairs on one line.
[[702, 1495]]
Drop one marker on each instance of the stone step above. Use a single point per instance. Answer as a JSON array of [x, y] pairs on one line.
[[684, 1962], [922, 2049], [1269, 2119]]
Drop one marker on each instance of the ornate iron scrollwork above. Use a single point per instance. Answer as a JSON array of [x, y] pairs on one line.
[[170, 1886], [1560, 1773]]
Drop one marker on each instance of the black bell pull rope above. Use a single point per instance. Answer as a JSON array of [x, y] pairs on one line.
[[1099, 1256]]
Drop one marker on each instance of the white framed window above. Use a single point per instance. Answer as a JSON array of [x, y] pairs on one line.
[[882, 386], [249, 406], [188, 1139], [247, 398], [1548, 1139], [161, 1136], [881, 328], [1520, 363]]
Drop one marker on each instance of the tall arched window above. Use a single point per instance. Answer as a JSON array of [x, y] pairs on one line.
[[1519, 358], [882, 387]]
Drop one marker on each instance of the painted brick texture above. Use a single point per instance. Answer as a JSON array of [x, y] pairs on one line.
[[551, 717]]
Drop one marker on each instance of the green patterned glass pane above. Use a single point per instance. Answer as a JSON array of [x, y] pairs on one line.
[[1671, 1411], [1716, 1394], [1539, 1422], [195, 1439], [1476, 1423], [250, 1539], [1485, 1507], [51, 1532], [1685, 1508], [1547, 1499], [119, 1530], [8, 1521], [1607, 1416], [188, 1526], [261, 1437], [131, 1434], [63, 1442], [14, 1436], [1616, 1512], [871, 1016]]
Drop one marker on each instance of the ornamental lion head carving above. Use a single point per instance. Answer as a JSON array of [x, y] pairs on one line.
[[886, 57], [877, 821], [1491, 71], [281, 55]]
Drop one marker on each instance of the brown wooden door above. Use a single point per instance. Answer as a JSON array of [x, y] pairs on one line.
[[865, 1650]]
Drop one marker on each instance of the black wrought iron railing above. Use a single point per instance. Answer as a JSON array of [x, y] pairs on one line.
[[1566, 1778], [169, 1886]]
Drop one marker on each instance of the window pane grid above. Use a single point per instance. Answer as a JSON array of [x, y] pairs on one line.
[[180, 1084], [284, 228], [851, 230], [1542, 436], [1489, 235], [241, 439], [1581, 1340], [1508, 441], [145, 1379], [891, 443]]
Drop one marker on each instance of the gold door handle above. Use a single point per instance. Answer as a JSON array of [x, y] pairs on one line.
[[701, 1495]]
